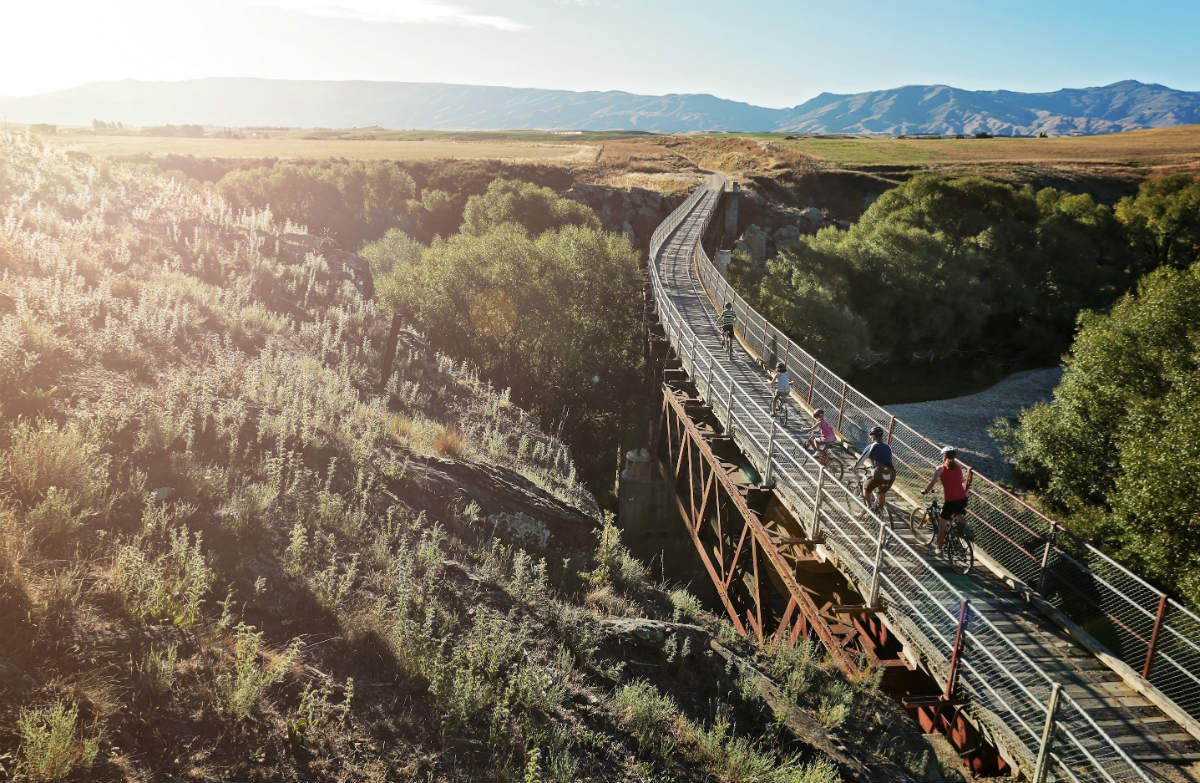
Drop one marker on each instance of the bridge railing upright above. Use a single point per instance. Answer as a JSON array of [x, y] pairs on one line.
[[1151, 632], [1009, 692]]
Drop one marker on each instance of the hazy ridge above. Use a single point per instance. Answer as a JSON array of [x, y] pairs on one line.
[[917, 109]]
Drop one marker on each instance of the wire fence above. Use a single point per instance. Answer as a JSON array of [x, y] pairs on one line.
[[1008, 692], [1155, 635]]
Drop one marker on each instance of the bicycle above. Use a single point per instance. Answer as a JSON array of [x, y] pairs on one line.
[[825, 457], [883, 510], [779, 407], [957, 547], [727, 343]]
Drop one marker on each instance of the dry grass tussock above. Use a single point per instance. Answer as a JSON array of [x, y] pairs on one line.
[[215, 536]]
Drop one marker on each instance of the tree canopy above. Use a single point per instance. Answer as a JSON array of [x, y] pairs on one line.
[[541, 299], [1164, 220], [353, 201], [1118, 447], [940, 266], [525, 204]]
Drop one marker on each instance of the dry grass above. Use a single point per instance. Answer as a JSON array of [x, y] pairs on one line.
[[353, 149], [656, 162], [450, 443], [608, 601]]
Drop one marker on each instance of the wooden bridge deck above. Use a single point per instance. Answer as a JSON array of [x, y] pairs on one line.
[[1159, 746]]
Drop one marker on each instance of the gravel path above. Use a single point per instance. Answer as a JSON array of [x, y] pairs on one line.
[[963, 421]]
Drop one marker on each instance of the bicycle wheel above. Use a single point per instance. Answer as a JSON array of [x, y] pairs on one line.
[[785, 407], [834, 465], [960, 552], [916, 522]]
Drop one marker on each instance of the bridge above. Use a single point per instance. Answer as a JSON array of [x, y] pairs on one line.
[[1066, 664]]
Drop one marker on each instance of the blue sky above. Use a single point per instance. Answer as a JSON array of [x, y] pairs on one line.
[[769, 53]]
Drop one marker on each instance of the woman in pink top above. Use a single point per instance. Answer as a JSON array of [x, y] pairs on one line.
[[955, 489]]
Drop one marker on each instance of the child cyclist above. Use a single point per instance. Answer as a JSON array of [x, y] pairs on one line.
[[828, 435], [727, 319], [783, 387]]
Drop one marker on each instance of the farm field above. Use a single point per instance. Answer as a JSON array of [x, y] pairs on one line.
[[1137, 153], [1173, 148], [429, 148]]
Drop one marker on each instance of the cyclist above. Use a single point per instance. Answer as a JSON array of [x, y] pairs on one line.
[[783, 387], [727, 320], [880, 455], [954, 490], [828, 435]]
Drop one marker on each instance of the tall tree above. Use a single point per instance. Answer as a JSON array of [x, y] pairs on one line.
[[1119, 445], [1164, 220]]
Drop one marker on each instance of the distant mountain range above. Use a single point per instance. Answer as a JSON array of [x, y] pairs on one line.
[[933, 109]]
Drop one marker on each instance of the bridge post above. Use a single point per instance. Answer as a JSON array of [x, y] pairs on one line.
[[770, 452], [1042, 768], [842, 405], [812, 378], [729, 411], [816, 520], [891, 426], [1041, 588], [873, 593], [952, 678], [763, 352], [1158, 618]]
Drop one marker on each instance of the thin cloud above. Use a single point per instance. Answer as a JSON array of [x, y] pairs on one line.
[[396, 12]]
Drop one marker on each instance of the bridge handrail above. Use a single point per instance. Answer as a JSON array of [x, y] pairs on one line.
[[1152, 633], [903, 576]]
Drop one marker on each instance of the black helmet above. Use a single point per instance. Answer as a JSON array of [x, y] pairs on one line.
[[729, 305], [780, 367], [819, 412], [877, 431]]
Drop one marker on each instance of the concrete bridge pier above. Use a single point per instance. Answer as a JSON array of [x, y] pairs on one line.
[[648, 520]]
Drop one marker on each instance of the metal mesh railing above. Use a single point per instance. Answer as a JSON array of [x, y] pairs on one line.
[[1008, 692], [1112, 604]]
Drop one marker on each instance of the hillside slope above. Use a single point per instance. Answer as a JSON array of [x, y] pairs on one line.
[[940, 109], [914, 109], [223, 555]]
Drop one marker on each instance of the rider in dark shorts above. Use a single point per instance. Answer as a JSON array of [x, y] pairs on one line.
[[955, 492], [880, 455]]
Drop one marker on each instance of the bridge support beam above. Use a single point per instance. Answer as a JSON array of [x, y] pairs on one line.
[[743, 535], [724, 519]]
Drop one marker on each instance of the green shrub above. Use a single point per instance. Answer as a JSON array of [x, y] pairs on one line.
[[240, 691], [51, 745], [615, 565], [156, 669], [319, 718], [649, 716], [170, 586], [686, 607], [332, 584], [44, 454], [55, 517]]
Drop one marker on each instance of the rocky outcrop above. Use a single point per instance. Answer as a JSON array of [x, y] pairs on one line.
[[634, 212], [777, 227]]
